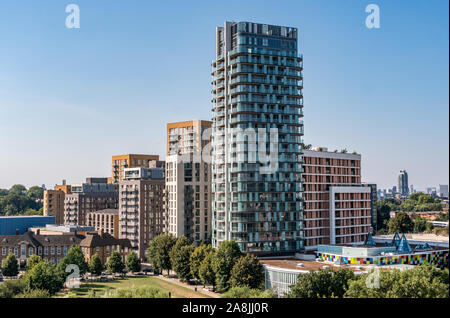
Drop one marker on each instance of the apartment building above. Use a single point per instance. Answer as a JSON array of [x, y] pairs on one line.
[[257, 85], [54, 202], [141, 206], [121, 162], [337, 206], [93, 195], [188, 181], [105, 220]]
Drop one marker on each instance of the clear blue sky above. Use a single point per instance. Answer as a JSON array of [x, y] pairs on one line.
[[69, 99]]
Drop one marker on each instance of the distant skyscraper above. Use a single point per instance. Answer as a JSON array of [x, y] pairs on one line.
[[411, 189], [443, 190], [403, 183], [257, 87]]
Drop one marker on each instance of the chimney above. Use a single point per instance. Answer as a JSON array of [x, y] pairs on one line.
[[38, 232], [100, 232], [17, 231], [64, 182]]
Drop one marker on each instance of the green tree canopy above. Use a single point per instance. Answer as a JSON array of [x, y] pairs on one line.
[[159, 252], [95, 265], [247, 292], [197, 258], [419, 282], [10, 266], [223, 261], [402, 223], [322, 283], [44, 276], [35, 192], [74, 256], [247, 271], [180, 259], [114, 263], [32, 261], [18, 189], [206, 271], [133, 263]]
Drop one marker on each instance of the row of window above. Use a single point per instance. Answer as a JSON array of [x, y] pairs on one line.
[[31, 250]]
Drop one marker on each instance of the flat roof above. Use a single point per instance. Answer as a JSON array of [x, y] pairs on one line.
[[291, 264]]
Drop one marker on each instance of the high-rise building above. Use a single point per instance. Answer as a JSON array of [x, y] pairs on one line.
[[257, 107], [188, 181], [443, 190], [93, 195], [337, 206], [141, 206], [121, 162], [411, 189], [54, 202], [403, 183]]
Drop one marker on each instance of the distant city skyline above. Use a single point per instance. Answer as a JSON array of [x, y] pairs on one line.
[[71, 99]]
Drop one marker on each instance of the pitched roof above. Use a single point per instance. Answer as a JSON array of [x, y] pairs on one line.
[[40, 240], [93, 239]]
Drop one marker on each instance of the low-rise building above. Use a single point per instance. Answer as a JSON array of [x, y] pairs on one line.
[[103, 244], [19, 224], [51, 248]]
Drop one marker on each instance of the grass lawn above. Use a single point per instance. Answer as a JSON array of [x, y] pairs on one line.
[[149, 281]]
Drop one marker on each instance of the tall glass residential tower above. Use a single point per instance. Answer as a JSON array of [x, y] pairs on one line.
[[257, 86]]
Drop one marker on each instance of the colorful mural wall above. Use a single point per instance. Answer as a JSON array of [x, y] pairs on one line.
[[437, 258]]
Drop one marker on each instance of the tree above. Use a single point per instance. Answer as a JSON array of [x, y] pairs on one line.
[[32, 261], [10, 266], [247, 271], [197, 258], [247, 292], [206, 272], [383, 213], [322, 283], [180, 258], [422, 281], [95, 265], [35, 192], [133, 263], [114, 263], [74, 256], [422, 225], [44, 276], [402, 223], [223, 261], [10, 288], [18, 189], [159, 252]]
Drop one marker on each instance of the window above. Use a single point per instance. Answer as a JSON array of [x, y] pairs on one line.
[[52, 249], [4, 251], [40, 250], [65, 250], [58, 250], [30, 251], [46, 250], [16, 251]]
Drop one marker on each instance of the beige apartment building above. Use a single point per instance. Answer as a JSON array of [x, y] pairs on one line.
[[54, 202], [141, 207], [121, 162], [105, 220], [188, 181], [337, 205]]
